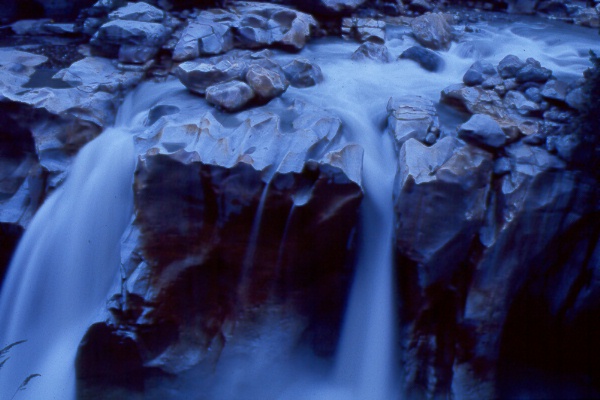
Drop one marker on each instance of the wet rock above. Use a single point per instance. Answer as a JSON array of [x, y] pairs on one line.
[[474, 100], [229, 96], [517, 101], [538, 204], [533, 72], [555, 90], [208, 34], [130, 41], [432, 31], [509, 66], [93, 74], [212, 180], [533, 94], [264, 24], [575, 99], [412, 117], [265, 83], [372, 51], [427, 59], [482, 130], [198, 76], [302, 73], [244, 25], [364, 29], [492, 82], [478, 73], [139, 11], [440, 195]]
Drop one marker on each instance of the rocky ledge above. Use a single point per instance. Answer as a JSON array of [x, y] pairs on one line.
[[495, 228]]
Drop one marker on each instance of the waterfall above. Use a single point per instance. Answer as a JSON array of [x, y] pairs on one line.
[[253, 241], [68, 260], [65, 266]]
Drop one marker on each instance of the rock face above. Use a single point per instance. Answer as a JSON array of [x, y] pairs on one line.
[[487, 246], [258, 218], [49, 125]]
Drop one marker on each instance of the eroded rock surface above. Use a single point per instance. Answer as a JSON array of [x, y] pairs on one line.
[[486, 235], [227, 204]]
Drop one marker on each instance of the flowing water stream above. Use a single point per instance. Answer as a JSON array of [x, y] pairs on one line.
[[68, 260]]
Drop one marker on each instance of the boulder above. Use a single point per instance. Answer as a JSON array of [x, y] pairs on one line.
[[432, 31], [266, 83], [246, 25], [302, 73], [555, 90], [198, 76], [266, 78], [130, 41], [208, 34], [140, 11], [575, 98], [532, 71], [264, 24], [229, 96], [482, 130], [509, 66], [93, 74], [372, 51], [479, 72], [411, 117], [474, 100], [517, 101], [426, 58]]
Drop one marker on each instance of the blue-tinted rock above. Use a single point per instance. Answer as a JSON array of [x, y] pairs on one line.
[[372, 51], [426, 58], [482, 130], [478, 73], [509, 66]]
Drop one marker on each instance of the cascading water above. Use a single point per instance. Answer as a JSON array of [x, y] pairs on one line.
[[68, 260], [65, 266]]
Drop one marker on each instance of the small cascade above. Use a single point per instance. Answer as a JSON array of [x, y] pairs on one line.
[[364, 363], [252, 243], [64, 268]]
